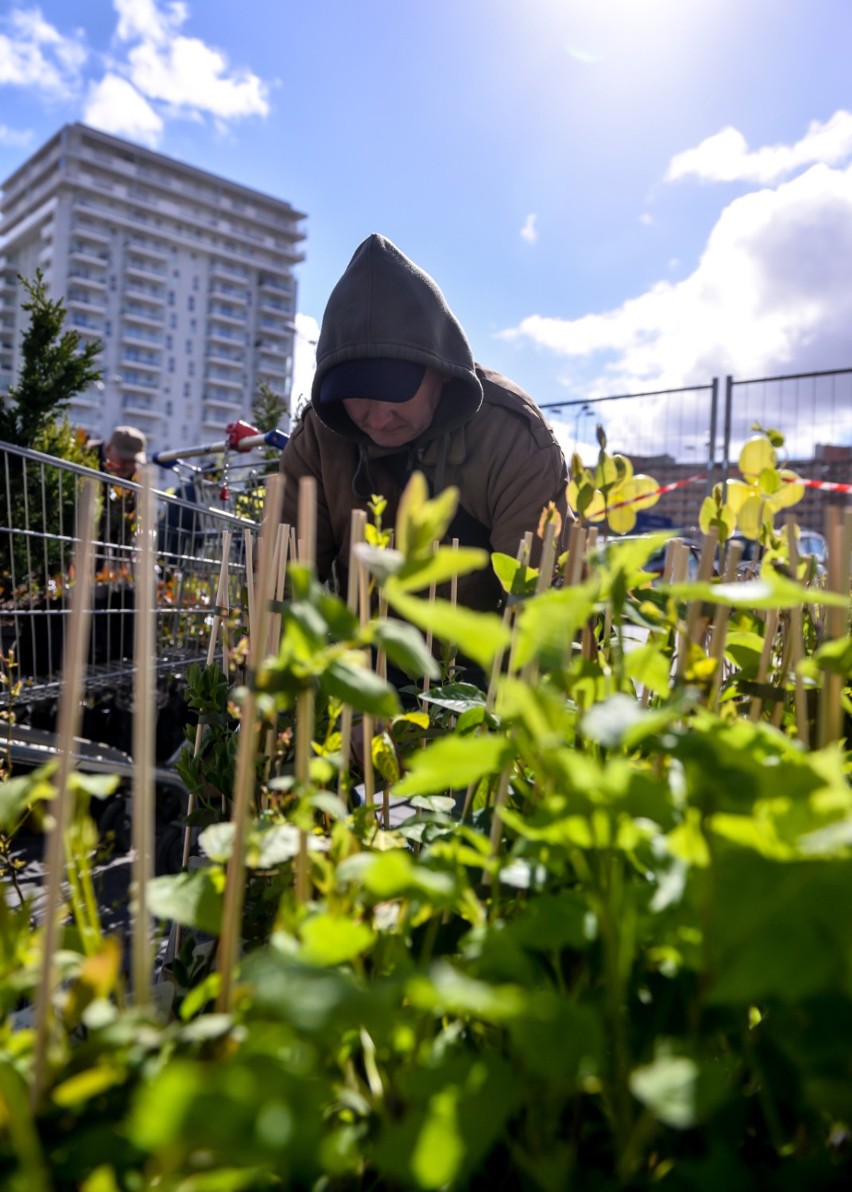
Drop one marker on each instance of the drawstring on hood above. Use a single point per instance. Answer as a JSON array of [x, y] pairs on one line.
[[386, 306]]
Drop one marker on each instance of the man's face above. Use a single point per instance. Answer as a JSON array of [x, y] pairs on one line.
[[393, 424], [125, 469]]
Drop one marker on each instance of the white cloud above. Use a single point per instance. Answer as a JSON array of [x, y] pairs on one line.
[[36, 55], [155, 72], [726, 157], [304, 360], [144, 19], [770, 293], [114, 105], [189, 74], [14, 137], [529, 231]]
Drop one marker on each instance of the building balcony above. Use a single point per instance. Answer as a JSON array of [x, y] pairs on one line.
[[228, 382], [85, 324], [145, 248], [145, 294], [220, 406], [226, 315], [140, 335], [84, 277], [142, 316], [135, 382], [226, 357], [225, 269], [79, 300], [82, 231], [268, 304], [220, 289], [225, 335], [88, 254], [145, 269]]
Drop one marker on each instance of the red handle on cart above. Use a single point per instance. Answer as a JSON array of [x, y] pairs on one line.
[[242, 437]]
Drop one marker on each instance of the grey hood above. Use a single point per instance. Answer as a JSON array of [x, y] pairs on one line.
[[385, 305]]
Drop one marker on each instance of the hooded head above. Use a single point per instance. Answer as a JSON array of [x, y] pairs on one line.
[[385, 323]]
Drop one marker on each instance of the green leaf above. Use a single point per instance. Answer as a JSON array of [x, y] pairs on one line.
[[18, 795], [455, 697], [835, 656], [649, 666], [331, 939], [85, 1085], [190, 899], [514, 577], [438, 567], [380, 562], [452, 763], [480, 635], [668, 1088], [547, 623], [361, 688], [396, 874], [770, 591], [405, 647]]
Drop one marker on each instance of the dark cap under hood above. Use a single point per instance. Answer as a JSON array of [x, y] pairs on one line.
[[385, 305]]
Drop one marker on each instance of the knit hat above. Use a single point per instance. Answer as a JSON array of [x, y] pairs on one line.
[[128, 444]]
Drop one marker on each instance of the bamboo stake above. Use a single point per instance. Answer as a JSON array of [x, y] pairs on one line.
[[68, 727], [719, 631], [680, 566], [797, 649], [357, 524], [366, 720], [144, 722], [244, 778], [771, 625], [305, 699], [248, 541], [696, 624], [830, 708], [432, 594], [220, 614]]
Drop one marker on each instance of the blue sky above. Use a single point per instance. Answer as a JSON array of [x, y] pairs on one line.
[[615, 195]]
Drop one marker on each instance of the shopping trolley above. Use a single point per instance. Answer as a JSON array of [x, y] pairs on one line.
[[39, 509]]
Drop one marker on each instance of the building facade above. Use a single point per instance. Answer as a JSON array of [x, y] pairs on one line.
[[187, 280]]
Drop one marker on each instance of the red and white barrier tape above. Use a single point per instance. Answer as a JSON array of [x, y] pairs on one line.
[[826, 486]]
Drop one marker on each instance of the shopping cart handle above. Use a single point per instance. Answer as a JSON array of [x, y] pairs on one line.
[[276, 438]]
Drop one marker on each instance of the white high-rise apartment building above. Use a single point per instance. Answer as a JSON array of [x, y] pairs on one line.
[[186, 278]]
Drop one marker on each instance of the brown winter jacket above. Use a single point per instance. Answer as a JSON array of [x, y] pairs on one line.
[[488, 438]]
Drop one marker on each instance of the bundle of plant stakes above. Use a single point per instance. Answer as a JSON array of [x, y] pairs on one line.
[[581, 925]]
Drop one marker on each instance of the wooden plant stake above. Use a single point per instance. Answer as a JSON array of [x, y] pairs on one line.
[[367, 722], [243, 801], [680, 570], [522, 558], [248, 540], [797, 648], [357, 526], [305, 699], [144, 723], [719, 630], [221, 614], [770, 628], [68, 727], [830, 718]]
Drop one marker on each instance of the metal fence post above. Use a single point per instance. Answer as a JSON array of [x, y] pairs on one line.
[[711, 437], [726, 450]]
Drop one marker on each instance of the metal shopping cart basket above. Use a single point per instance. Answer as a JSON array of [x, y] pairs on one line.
[[38, 510]]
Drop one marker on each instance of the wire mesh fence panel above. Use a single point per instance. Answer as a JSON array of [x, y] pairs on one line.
[[675, 423], [814, 413], [38, 513]]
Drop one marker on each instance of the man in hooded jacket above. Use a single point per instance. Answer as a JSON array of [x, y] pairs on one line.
[[397, 390]]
